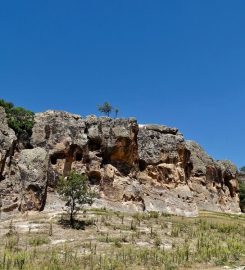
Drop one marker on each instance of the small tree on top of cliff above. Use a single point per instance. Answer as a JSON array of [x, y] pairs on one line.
[[116, 112], [105, 108], [76, 192]]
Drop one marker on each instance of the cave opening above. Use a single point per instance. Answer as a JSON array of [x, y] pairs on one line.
[[54, 157], [78, 156], [94, 145], [142, 165], [94, 177]]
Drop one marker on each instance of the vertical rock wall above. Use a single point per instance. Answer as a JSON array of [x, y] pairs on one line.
[[132, 167]]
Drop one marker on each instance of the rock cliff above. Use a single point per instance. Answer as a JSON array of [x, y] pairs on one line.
[[133, 167]]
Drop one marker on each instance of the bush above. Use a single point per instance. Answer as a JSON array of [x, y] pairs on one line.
[[242, 195], [19, 119], [242, 169]]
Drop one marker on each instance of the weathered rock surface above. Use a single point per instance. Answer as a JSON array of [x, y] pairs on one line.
[[33, 168], [164, 170], [7, 140], [213, 183], [8, 191], [23, 179], [132, 167]]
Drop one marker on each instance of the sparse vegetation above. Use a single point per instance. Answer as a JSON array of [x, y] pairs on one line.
[[170, 243], [38, 240]]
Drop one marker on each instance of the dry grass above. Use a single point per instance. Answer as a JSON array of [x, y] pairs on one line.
[[112, 240]]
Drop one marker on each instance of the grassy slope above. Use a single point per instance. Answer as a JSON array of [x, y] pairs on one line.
[[123, 241]]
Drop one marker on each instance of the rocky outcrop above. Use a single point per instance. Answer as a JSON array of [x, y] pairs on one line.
[[8, 190], [23, 179], [132, 167], [7, 141], [164, 170], [33, 168], [213, 183]]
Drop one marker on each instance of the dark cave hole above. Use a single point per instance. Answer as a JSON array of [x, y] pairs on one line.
[[123, 167], [34, 188], [78, 156], [47, 132], [94, 178], [94, 145], [56, 156], [142, 165]]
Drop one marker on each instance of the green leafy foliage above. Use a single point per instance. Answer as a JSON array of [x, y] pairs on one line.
[[19, 119], [116, 112], [105, 108], [242, 169], [76, 192], [242, 195]]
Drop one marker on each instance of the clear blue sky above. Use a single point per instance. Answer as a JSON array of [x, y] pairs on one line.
[[179, 63]]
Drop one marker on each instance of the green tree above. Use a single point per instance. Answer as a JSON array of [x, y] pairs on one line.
[[242, 195], [76, 192], [19, 119], [242, 169], [116, 112], [105, 108]]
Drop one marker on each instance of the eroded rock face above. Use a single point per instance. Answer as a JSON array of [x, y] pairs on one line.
[[7, 141], [23, 181], [8, 190], [33, 168], [164, 170], [213, 183], [132, 167]]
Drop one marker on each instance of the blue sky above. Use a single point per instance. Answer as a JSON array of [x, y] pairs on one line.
[[178, 63]]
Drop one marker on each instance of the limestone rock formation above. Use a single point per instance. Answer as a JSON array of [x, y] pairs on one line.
[[132, 167], [7, 141], [213, 183], [164, 170], [33, 168], [23, 179], [8, 191]]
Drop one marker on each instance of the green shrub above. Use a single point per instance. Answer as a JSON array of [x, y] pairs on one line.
[[242, 195], [19, 119], [38, 240], [153, 214]]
